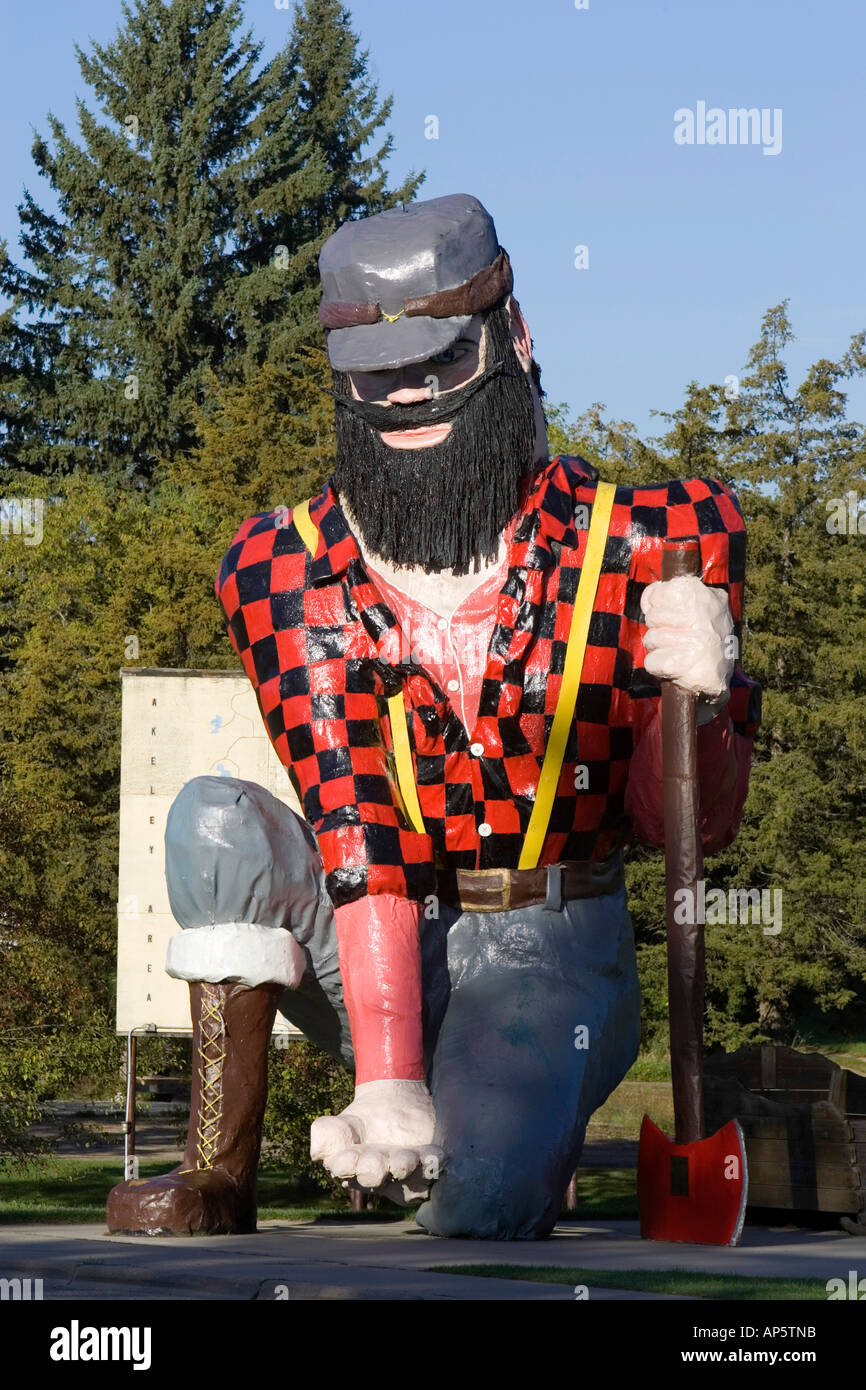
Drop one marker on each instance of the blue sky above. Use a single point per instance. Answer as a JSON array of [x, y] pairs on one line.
[[562, 122]]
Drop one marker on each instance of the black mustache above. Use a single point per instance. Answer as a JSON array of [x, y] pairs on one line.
[[397, 417]]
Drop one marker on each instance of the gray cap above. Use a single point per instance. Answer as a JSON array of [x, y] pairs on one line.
[[374, 268]]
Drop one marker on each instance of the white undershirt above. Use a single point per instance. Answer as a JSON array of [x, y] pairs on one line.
[[443, 592]]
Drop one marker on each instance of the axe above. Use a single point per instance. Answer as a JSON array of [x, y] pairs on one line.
[[689, 1188]]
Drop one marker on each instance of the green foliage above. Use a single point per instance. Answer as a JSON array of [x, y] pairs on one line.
[[122, 577], [612, 446], [303, 1083], [191, 212], [260, 444], [39, 1064], [787, 453], [49, 1189], [183, 252]]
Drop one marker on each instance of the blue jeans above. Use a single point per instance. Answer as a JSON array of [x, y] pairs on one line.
[[531, 1016], [540, 1024]]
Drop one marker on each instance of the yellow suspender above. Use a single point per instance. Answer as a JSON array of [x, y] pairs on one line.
[[403, 759], [574, 654], [565, 706], [307, 527]]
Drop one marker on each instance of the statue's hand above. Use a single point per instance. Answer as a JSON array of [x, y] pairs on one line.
[[382, 1140], [689, 635]]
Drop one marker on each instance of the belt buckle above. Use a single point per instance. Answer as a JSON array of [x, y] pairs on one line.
[[481, 882], [504, 890]]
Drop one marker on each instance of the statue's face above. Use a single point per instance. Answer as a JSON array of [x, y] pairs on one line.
[[433, 458], [447, 372]]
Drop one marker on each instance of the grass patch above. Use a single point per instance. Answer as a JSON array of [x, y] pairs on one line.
[[282, 1199], [49, 1190], [651, 1066], [673, 1281], [621, 1115], [851, 1055], [608, 1194], [58, 1189], [655, 1064], [67, 1189]]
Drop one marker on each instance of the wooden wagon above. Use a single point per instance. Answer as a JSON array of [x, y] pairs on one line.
[[804, 1122]]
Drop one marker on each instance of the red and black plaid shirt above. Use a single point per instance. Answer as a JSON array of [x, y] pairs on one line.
[[312, 633]]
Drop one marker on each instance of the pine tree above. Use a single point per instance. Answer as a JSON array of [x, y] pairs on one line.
[[320, 113], [611, 446], [795, 462], [188, 222], [127, 271], [790, 453], [262, 444], [20, 364]]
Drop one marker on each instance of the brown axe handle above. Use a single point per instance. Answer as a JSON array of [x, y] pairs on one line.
[[684, 867]]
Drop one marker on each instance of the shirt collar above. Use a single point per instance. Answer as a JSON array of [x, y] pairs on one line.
[[548, 513]]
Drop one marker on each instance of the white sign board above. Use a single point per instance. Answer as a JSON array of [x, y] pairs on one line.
[[175, 725]]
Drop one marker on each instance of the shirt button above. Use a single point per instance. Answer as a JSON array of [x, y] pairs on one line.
[[453, 685], [476, 749], [442, 624], [485, 829]]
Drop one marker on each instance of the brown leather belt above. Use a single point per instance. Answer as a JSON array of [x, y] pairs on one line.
[[499, 890]]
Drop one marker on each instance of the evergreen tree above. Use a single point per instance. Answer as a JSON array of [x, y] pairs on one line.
[[320, 113], [612, 446], [187, 227], [126, 273], [795, 462], [263, 444], [792, 454], [20, 368]]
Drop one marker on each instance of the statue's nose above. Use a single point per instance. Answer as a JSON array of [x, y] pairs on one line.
[[408, 395]]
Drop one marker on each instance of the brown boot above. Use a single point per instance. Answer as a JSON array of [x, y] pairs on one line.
[[213, 1192]]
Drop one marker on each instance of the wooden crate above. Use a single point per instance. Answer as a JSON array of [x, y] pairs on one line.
[[804, 1123]]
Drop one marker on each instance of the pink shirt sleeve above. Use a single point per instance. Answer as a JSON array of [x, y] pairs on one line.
[[380, 964]]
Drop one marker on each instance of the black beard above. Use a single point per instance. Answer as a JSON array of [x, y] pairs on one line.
[[445, 507]]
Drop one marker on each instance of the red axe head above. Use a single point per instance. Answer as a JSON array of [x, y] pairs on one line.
[[692, 1192]]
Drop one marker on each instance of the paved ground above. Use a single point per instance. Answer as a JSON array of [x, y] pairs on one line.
[[384, 1262], [363, 1261]]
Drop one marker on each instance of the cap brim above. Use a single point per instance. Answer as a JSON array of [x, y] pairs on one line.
[[375, 347]]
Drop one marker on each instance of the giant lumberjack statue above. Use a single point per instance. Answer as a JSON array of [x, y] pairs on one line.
[[456, 648]]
